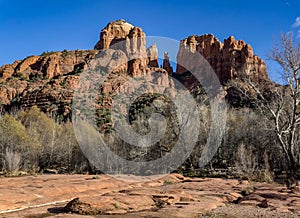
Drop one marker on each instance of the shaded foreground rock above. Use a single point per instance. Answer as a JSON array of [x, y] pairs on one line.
[[168, 196], [173, 195], [76, 206]]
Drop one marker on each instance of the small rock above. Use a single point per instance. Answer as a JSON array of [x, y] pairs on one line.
[[263, 204]]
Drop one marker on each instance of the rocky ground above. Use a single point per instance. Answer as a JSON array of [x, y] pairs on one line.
[[169, 196]]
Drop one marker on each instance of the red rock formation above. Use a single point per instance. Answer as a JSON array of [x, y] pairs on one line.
[[152, 55], [120, 35], [49, 80], [229, 60], [43, 80], [131, 40], [166, 64], [112, 33]]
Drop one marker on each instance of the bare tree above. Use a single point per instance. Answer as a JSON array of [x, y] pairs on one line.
[[246, 162], [13, 160], [282, 104], [287, 114]]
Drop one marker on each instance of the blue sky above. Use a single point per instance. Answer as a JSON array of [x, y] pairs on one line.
[[31, 27]]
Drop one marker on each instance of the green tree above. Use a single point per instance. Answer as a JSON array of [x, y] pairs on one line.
[[16, 146], [42, 128]]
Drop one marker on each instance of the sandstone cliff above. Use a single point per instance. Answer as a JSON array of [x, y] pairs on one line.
[[49, 80], [132, 41], [229, 60], [137, 60]]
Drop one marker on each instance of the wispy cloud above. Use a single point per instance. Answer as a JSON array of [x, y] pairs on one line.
[[298, 34], [297, 22]]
